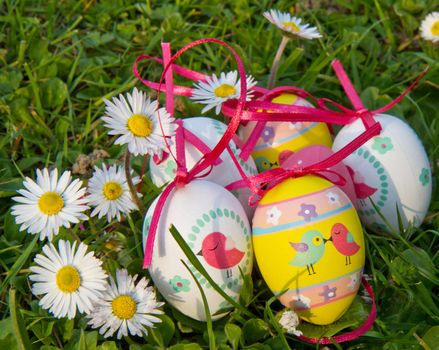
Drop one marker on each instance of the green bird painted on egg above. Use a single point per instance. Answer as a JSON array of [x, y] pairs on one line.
[[310, 250]]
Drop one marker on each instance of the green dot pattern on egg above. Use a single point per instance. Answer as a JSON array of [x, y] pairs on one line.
[[381, 173]]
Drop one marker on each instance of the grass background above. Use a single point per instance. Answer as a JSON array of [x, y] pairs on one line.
[[58, 59]]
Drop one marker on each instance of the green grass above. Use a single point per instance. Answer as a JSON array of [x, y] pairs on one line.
[[59, 59]]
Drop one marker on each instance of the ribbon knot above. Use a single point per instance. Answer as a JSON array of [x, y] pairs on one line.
[[366, 116], [181, 178]]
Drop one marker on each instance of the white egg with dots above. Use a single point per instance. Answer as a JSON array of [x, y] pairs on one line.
[[215, 226]]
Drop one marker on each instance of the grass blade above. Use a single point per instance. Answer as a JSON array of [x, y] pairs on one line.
[[206, 309], [20, 332], [20, 262]]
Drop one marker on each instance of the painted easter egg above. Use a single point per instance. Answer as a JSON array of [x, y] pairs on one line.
[[309, 244], [278, 140], [214, 224], [389, 171], [312, 155], [209, 131]]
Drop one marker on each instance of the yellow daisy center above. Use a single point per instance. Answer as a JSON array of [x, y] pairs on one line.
[[140, 125], [291, 26], [224, 90], [112, 190], [111, 244], [68, 279], [124, 307], [50, 203], [435, 28]]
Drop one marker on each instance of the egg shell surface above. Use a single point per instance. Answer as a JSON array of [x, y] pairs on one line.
[[308, 241], [393, 170], [215, 226], [280, 139], [209, 131]]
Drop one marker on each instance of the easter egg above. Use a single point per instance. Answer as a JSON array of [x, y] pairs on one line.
[[278, 140], [314, 154], [389, 171], [209, 131], [309, 245], [214, 225]]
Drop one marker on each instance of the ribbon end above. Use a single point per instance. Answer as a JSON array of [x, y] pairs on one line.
[[335, 62], [146, 261]]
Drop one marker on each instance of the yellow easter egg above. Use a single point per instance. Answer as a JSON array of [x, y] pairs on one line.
[[309, 244], [280, 139]]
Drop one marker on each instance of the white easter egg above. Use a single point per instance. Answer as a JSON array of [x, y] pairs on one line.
[[392, 169], [214, 224], [209, 131]]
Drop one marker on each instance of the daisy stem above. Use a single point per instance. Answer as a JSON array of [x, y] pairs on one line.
[[276, 61], [130, 184], [136, 236]]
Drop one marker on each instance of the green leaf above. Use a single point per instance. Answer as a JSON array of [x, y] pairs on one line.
[[91, 340], [9, 80], [431, 338], [19, 328], [421, 260], [233, 334], [20, 262], [189, 346], [81, 344], [11, 229], [53, 93], [66, 327], [254, 330], [163, 332], [355, 315], [110, 345], [7, 337], [38, 50]]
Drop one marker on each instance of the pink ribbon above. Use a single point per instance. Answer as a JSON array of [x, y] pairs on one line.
[[183, 176], [356, 333]]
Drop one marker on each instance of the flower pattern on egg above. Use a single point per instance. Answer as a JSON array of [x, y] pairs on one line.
[[424, 177], [179, 284], [268, 134], [273, 215], [333, 198], [295, 126], [328, 293], [301, 302], [382, 144], [308, 211], [355, 281], [171, 168]]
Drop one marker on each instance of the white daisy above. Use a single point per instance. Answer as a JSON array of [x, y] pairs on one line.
[[215, 91], [292, 26], [430, 27], [138, 122], [125, 307], [68, 280], [49, 203], [289, 321], [109, 192]]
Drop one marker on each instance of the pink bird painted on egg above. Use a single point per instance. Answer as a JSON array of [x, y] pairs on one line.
[[343, 241], [220, 252]]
